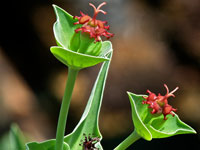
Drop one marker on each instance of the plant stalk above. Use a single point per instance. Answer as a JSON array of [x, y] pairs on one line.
[[128, 141], [72, 74]]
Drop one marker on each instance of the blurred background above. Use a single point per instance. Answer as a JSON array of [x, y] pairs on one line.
[[155, 42]]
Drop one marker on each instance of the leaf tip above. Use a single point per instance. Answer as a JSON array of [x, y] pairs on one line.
[[193, 131], [57, 9], [129, 93], [52, 48], [54, 6], [149, 138]]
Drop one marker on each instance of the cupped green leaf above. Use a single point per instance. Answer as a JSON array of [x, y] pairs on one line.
[[75, 42], [46, 145], [77, 60], [88, 123], [76, 50], [64, 31], [160, 128], [151, 126], [139, 112], [63, 27], [89, 46]]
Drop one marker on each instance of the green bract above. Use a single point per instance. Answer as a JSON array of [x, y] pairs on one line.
[[150, 126], [76, 50], [78, 60]]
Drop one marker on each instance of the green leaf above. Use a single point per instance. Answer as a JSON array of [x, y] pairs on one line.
[[75, 42], [46, 145], [14, 140], [151, 126], [77, 60], [170, 127], [88, 45], [106, 48], [139, 112], [63, 27], [88, 123], [87, 52], [66, 37]]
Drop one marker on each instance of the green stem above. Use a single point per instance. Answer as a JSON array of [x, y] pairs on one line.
[[128, 141], [72, 74]]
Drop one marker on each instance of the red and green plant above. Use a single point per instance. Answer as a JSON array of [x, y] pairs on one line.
[[79, 45]]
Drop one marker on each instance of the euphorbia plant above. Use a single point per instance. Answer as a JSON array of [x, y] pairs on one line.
[[149, 118], [80, 46]]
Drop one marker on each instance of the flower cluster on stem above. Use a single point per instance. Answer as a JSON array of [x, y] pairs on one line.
[[159, 104], [95, 28]]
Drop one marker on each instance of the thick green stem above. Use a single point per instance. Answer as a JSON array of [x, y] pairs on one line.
[[128, 141], [72, 74]]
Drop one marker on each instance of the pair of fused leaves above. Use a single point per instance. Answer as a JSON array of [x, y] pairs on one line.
[[88, 123], [76, 50], [150, 126]]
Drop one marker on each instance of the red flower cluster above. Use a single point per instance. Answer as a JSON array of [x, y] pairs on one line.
[[94, 27], [159, 103]]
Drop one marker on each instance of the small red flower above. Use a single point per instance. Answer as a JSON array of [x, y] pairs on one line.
[[159, 103], [94, 27]]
